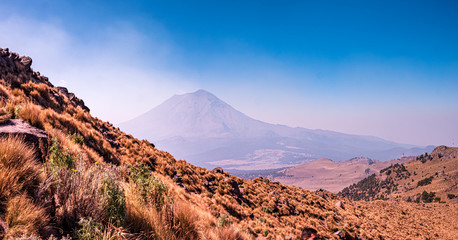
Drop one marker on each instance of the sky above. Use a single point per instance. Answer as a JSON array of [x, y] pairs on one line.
[[382, 68]]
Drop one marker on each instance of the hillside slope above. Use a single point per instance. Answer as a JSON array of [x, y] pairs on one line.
[[427, 178], [97, 182], [329, 175], [206, 131]]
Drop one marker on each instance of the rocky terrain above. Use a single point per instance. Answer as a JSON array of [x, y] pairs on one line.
[[97, 182]]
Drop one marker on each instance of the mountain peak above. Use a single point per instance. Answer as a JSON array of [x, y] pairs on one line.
[[195, 114], [201, 92]]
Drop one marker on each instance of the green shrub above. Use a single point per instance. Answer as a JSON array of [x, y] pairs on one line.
[[267, 210], [428, 197], [451, 196], [425, 181], [89, 229], [150, 187], [59, 158], [224, 221], [77, 138], [114, 201]]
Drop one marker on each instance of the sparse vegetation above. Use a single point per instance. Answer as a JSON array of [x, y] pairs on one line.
[[425, 181], [424, 158], [428, 197]]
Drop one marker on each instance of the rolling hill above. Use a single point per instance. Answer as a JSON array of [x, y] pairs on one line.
[[206, 131], [329, 175], [426, 178]]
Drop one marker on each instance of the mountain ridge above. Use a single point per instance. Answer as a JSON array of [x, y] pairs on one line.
[[199, 127]]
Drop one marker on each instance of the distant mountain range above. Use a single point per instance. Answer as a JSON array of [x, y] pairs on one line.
[[202, 129]]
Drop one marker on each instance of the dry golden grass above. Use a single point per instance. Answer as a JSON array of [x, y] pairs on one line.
[[31, 113], [24, 217], [20, 176], [171, 221], [228, 233], [402, 220], [19, 170], [4, 115]]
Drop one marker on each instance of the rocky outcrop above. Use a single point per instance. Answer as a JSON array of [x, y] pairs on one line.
[[444, 151], [31, 135], [16, 70], [72, 97], [218, 170]]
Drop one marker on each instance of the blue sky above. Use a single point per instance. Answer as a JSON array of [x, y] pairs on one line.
[[386, 68]]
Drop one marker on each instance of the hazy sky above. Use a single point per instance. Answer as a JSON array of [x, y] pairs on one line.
[[388, 69]]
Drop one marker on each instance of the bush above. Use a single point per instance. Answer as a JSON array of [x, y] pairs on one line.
[[451, 196], [428, 197], [114, 201], [224, 221], [59, 158], [79, 196], [425, 181], [151, 188], [77, 138], [89, 229]]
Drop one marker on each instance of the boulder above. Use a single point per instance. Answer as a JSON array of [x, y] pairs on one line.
[[33, 136], [235, 187], [218, 170], [71, 96], [26, 62], [340, 204]]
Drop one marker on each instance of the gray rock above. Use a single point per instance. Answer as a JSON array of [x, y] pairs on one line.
[[26, 61], [340, 204], [218, 170], [33, 136]]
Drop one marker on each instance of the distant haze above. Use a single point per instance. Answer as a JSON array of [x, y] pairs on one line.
[[380, 68], [202, 129]]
